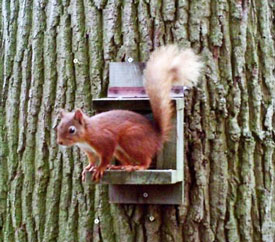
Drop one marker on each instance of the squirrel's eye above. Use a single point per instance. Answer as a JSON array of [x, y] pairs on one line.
[[72, 130]]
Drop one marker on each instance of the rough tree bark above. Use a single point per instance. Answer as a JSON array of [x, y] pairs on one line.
[[55, 54]]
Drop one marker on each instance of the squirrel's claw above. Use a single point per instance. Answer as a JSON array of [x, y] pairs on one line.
[[83, 174], [92, 169], [88, 168], [98, 173]]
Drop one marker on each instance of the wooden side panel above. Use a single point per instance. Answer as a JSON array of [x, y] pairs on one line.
[[167, 157], [180, 135], [146, 194], [171, 156]]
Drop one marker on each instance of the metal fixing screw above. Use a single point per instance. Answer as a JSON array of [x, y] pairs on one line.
[[76, 61], [145, 195], [96, 221], [152, 218], [130, 59]]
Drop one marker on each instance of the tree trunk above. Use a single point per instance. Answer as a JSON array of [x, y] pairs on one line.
[[55, 54]]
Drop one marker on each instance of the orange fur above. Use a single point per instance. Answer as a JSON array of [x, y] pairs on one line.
[[127, 135]]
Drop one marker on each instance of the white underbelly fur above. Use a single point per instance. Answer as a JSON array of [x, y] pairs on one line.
[[86, 147]]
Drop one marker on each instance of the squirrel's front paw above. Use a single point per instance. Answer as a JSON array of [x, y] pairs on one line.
[[83, 175], [98, 173], [89, 168]]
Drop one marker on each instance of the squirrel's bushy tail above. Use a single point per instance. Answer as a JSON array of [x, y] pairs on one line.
[[168, 65]]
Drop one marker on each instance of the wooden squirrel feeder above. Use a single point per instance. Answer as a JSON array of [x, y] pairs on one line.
[[163, 182]]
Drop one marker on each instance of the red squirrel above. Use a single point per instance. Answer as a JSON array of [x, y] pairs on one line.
[[128, 136]]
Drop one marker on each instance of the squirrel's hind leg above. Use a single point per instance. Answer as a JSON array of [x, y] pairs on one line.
[[135, 167], [122, 158], [129, 165]]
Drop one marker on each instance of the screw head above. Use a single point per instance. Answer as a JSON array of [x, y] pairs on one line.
[[75, 61], [151, 218], [130, 59], [96, 221], [145, 195]]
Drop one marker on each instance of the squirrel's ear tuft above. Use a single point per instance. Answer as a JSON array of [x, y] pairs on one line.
[[62, 113], [78, 115]]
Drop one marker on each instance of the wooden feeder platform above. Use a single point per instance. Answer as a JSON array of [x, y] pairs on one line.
[[149, 177]]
